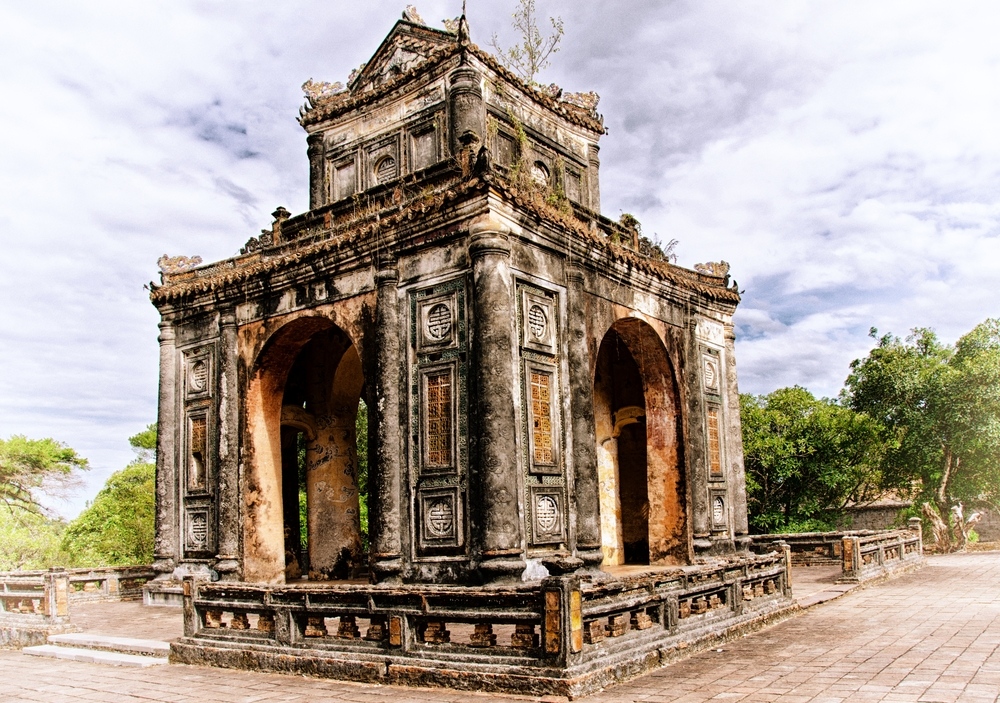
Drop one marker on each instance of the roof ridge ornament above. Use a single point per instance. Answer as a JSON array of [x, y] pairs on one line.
[[410, 14]]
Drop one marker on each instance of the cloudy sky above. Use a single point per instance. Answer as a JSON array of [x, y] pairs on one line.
[[843, 157]]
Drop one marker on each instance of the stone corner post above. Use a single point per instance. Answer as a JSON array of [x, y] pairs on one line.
[[387, 544], [495, 451], [317, 170], [229, 504], [165, 549], [586, 488], [191, 624]]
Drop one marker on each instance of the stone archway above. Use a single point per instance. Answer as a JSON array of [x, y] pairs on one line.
[[640, 460], [302, 404]]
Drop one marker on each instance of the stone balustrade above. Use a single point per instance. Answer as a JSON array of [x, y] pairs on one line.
[[563, 634], [861, 554]]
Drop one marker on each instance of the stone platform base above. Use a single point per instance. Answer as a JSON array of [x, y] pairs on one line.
[[612, 665], [19, 631], [563, 635]]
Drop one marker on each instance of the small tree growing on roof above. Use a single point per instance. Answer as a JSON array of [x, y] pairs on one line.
[[531, 55]]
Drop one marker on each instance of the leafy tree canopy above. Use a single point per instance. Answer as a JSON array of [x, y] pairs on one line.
[[29, 467], [943, 405], [118, 527], [806, 459]]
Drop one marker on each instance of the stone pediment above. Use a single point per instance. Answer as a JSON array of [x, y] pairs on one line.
[[407, 45]]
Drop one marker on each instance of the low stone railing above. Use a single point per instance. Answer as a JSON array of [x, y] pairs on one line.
[[106, 583], [861, 554], [35, 604], [564, 634]]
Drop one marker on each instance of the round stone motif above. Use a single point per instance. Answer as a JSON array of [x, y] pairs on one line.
[[546, 513], [439, 322], [440, 518], [537, 322], [199, 530], [718, 510], [711, 374], [198, 377]]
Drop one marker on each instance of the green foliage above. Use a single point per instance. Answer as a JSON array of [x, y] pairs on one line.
[[29, 540], [531, 54], [29, 467], [118, 527], [361, 428], [144, 444], [806, 458], [943, 405]]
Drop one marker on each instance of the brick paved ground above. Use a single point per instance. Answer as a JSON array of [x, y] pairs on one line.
[[930, 636]]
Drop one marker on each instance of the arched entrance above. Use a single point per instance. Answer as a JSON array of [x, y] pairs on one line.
[[637, 424], [303, 497]]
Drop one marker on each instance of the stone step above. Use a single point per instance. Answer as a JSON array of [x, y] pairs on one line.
[[122, 645], [95, 656]]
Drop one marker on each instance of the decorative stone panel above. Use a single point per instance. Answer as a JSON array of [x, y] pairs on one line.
[[713, 438], [197, 462], [441, 519], [343, 178], [539, 322], [199, 373], [383, 160], [541, 400], [438, 418], [719, 508], [548, 515], [711, 371], [424, 144], [437, 322], [198, 532]]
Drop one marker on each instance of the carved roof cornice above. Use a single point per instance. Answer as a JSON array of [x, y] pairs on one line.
[[331, 107], [318, 233]]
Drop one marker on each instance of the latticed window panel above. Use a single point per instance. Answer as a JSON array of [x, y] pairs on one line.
[[438, 416], [541, 413], [714, 455], [196, 468]]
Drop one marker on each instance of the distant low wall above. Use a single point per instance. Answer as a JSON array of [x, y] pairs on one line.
[[36, 604], [861, 554]]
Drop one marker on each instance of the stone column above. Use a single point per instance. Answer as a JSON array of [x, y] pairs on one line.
[[581, 388], [387, 542], [734, 444], [495, 450], [229, 460], [594, 176], [317, 171], [166, 548], [467, 110]]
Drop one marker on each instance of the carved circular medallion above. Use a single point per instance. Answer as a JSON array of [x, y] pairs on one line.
[[199, 530], [539, 173], [440, 518], [711, 373], [385, 170], [439, 322], [198, 376], [546, 513], [537, 322], [719, 510]]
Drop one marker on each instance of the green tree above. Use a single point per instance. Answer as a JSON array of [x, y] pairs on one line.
[[30, 467], [943, 404], [531, 55], [118, 527], [806, 459], [29, 540]]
